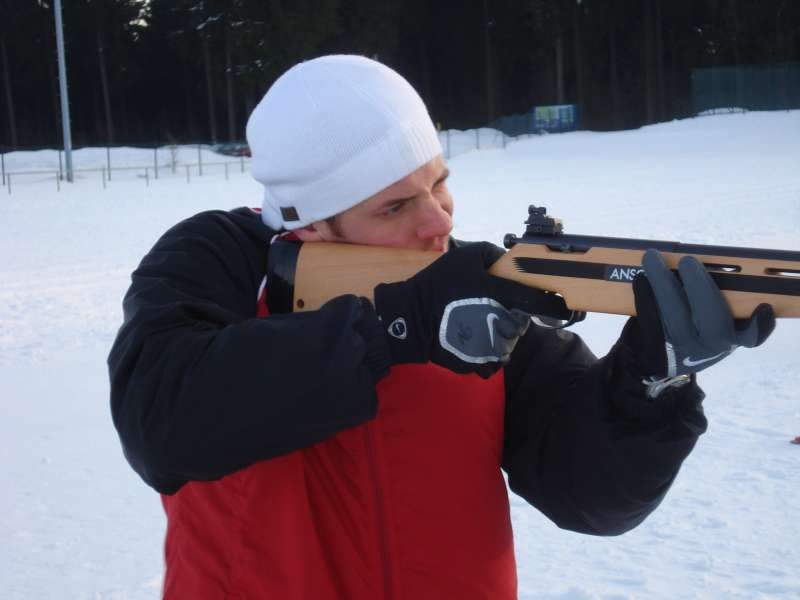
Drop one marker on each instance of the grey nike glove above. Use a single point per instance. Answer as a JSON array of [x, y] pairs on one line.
[[686, 325], [457, 315]]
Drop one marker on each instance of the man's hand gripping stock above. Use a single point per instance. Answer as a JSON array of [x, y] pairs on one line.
[[455, 314]]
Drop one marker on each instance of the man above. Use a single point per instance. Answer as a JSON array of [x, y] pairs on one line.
[[355, 451]]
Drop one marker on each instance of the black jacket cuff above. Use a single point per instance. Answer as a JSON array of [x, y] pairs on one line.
[[629, 396], [369, 327]]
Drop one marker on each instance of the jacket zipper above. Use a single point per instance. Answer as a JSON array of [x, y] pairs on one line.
[[382, 518]]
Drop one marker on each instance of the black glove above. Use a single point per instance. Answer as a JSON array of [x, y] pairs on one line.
[[455, 314], [686, 325]]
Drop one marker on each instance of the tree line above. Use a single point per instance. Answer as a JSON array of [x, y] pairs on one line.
[[155, 71]]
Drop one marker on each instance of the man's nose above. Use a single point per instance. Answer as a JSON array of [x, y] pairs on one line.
[[434, 220]]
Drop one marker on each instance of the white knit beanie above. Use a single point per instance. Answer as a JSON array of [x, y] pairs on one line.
[[332, 132]]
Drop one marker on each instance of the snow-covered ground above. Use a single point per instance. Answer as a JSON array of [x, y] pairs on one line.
[[75, 522]]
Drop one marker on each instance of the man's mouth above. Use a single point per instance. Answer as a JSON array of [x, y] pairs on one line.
[[440, 246]]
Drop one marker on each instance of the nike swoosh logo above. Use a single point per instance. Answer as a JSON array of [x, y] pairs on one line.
[[490, 319], [693, 363]]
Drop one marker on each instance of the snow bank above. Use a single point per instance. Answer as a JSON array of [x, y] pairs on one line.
[[77, 523]]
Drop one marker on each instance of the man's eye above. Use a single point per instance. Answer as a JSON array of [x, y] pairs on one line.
[[394, 208]]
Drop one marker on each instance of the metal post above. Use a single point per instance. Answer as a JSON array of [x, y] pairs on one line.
[[103, 173], [155, 160], [9, 184], [58, 183], [108, 161], [62, 82], [3, 163], [60, 169], [199, 161]]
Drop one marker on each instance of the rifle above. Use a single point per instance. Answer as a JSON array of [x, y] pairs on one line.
[[591, 273]]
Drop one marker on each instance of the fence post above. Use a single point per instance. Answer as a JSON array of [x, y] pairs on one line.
[[58, 183], [108, 161], [3, 163], [9, 184], [103, 174], [199, 161], [60, 168], [155, 160]]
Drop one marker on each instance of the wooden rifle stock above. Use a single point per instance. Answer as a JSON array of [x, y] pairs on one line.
[[591, 273]]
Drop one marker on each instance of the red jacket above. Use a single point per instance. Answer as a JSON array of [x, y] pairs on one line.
[[375, 512]]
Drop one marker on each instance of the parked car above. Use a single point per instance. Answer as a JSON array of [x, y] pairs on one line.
[[232, 149]]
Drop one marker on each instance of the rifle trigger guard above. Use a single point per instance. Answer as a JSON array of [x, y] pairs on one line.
[[552, 323]]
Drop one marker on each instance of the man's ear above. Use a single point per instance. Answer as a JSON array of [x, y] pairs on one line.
[[309, 233]]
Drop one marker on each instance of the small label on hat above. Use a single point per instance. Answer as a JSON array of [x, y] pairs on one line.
[[289, 213]]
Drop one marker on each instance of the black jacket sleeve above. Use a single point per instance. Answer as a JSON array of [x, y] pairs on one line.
[[201, 388], [583, 443]]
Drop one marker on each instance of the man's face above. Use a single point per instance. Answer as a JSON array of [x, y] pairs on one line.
[[415, 212]]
